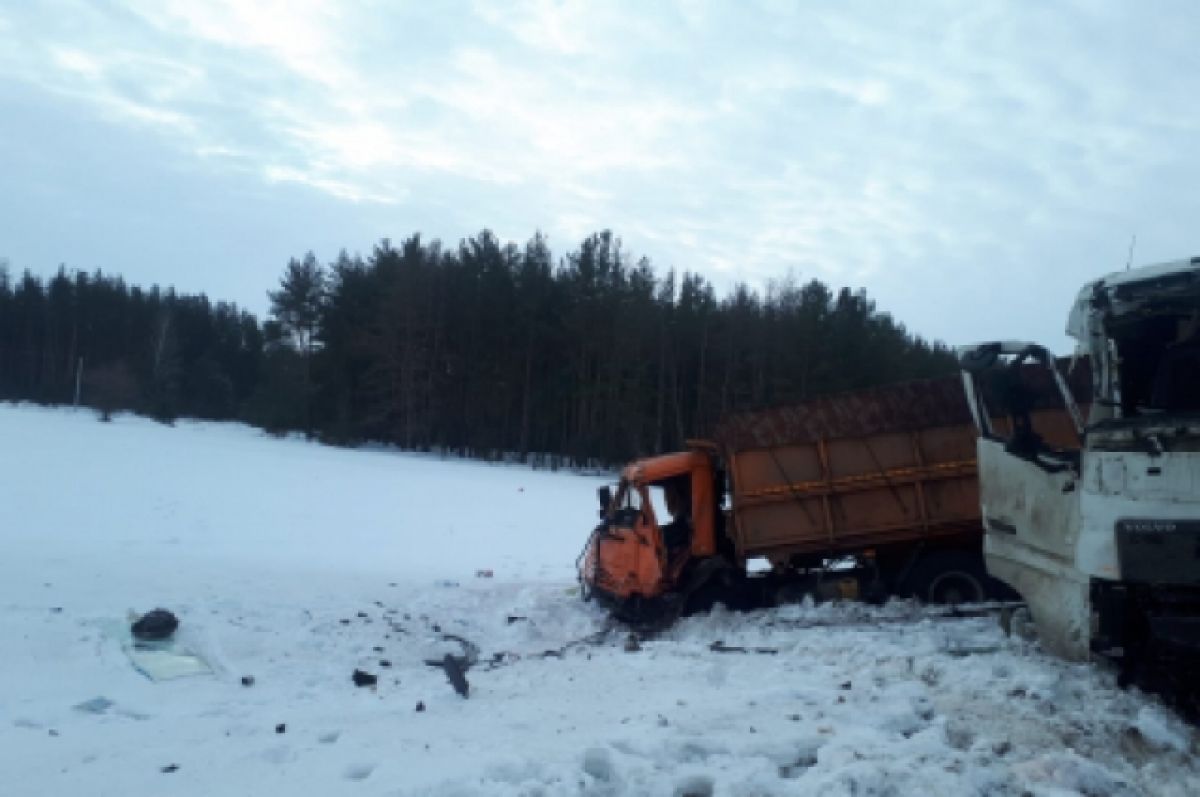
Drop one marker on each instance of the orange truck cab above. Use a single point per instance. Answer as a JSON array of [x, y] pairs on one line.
[[639, 564]]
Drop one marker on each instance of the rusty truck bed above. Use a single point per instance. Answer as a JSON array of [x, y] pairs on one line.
[[871, 468]]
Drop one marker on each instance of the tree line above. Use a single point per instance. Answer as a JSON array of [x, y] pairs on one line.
[[485, 349]]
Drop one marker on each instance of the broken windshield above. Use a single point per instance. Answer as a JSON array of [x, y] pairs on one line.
[[1158, 371]]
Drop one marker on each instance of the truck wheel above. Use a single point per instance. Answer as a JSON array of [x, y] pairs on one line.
[[791, 592], [949, 577], [720, 587]]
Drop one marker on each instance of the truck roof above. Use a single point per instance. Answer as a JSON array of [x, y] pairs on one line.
[[1176, 282], [653, 469], [1148, 273]]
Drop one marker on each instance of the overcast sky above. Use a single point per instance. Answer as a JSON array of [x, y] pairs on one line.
[[969, 163]]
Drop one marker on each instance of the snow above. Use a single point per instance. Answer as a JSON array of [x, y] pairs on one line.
[[296, 564]]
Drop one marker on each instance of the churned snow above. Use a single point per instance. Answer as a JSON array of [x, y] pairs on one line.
[[295, 564]]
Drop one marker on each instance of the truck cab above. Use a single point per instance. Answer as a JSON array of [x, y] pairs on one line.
[[1101, 534], [639, 563]]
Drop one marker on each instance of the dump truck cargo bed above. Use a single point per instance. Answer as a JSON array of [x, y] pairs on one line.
[[882, 467]]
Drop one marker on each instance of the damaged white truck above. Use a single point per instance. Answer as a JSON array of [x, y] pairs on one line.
[[1102, 538]]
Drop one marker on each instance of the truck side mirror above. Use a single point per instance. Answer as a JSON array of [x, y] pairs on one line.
[[979, 358], [605, 494]]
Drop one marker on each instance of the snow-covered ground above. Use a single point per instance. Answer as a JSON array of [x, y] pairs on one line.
[[296, 564]]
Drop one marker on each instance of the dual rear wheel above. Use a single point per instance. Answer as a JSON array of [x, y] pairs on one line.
[[949, 578], [945, 577]]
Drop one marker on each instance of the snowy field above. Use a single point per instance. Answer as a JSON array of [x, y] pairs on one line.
[[296, 564]]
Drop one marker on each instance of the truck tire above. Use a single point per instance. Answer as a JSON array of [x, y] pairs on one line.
[[792, 591], [949, 577], [720, 587]]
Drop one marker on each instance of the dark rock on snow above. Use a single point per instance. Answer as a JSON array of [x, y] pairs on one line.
[[155, 625]]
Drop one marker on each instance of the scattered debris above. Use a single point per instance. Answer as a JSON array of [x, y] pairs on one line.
[[155, 625], [961, 651], [420, 706], [101, 705], [362, 615], [915, 614], [505, 658], [470, 653], [845, 685], [484, 574], [247, 680], [456, 667], [501, 659], [721, 647], [516, 618], [344, 621], [364, 678], [378, 648], [163, 658], [170, 768], [456, 673], [97, 705], [384, 663], [281, 728], [359, 771]]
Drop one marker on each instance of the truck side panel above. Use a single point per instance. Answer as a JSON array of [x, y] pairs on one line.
[[830, 496]]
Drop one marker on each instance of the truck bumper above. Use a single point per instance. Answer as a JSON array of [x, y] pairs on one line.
[[640, 612], [1129, 617]]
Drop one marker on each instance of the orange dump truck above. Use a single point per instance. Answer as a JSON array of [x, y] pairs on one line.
[[864, 494]]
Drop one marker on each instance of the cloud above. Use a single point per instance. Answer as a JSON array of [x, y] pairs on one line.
[[300, 35], [917, 151]]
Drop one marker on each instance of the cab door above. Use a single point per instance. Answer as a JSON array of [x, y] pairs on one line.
[[628, 559]]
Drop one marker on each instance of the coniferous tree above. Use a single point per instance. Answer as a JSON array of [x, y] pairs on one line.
[[297, 307], [486, 349]]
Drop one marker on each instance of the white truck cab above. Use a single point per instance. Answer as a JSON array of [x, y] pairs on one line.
[[1098, 527]]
